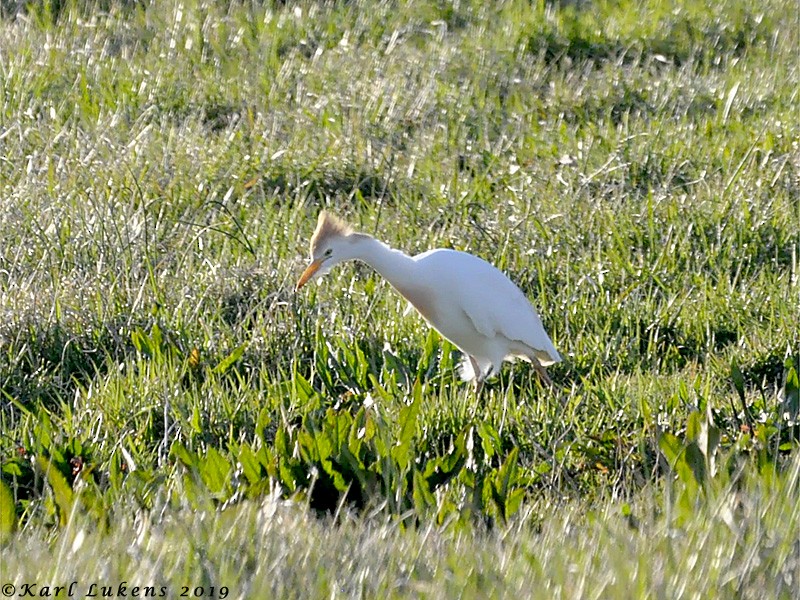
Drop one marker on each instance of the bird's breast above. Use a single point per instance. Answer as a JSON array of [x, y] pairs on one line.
[[424, 301], [446, 317]]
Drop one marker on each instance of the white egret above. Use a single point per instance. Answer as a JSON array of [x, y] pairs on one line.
[[467, 300]]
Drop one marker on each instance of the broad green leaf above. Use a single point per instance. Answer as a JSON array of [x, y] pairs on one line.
[[141, 342], [302, 389], [506, 474], [42, 431], [264, 420], [308, 447], [191, 490], [227, 362], [287, 475], [353, 464], [250, 464], [156, 340], [8, 512], [428, 358], [12, 468], [791, 391], [266, 458], [424, 500], [671, 447], [490, 439], [214, 470], [115, 474], [339, 482], [440, 470], [358, 430], [185, 456], [694, 425], [62, 491], [196, 420], [408, 419], [364, 368], [513, 502], [282, 442], [337, 424], [324, 442], [696, 462]]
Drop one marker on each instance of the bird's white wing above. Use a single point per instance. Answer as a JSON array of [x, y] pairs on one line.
[[496, 306]]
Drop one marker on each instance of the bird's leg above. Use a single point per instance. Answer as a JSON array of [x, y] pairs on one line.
[[478, 376], [542, 373]]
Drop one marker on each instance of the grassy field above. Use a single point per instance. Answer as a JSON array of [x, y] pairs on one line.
[[173, 414]]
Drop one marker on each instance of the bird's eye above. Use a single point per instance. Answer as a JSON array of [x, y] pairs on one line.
[[329, 251]]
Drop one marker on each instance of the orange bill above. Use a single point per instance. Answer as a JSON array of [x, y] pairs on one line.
[[308, 273]]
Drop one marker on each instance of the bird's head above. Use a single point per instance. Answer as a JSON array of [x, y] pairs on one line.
[[331, 244]]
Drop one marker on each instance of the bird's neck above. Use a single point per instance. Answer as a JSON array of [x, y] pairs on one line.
[[395, 266]]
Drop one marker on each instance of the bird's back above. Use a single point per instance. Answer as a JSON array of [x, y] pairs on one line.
[[493, 303]]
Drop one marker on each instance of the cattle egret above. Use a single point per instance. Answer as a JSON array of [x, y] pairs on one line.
[[463, 297]]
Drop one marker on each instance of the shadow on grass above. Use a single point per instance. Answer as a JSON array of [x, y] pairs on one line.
[[44, 363], [343, 180], [579, 36]]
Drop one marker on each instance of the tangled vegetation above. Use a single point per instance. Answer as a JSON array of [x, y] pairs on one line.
[[169, 402]]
